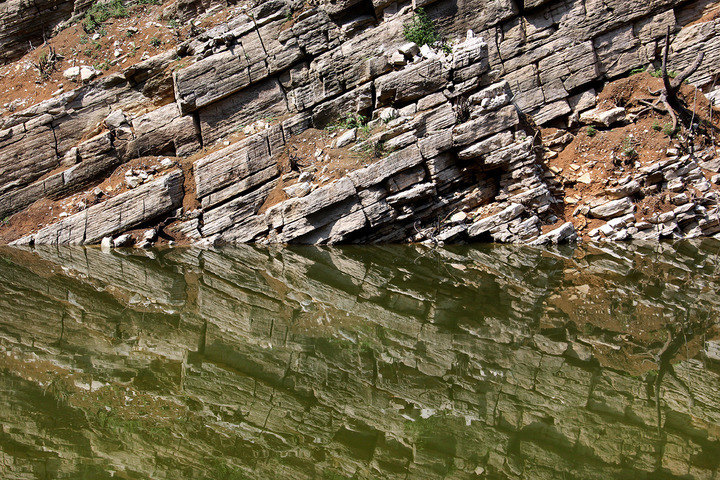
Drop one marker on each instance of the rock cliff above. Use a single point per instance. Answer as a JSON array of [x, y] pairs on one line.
[[442, 143]]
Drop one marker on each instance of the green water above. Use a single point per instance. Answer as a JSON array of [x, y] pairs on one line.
[[398, 362]]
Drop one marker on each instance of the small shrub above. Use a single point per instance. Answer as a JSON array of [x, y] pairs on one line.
[[149, 2], [155, 42], [46, 63], [629, 149], [637, 70], [656, 126], [420, 29], [99, 13], [102, 66], [668, 130], [591, 131], [351, 120], [657, 73]]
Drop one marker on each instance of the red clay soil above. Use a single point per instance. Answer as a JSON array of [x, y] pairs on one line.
[[606, 155], [46, 211], [329, 165], [22, 86]]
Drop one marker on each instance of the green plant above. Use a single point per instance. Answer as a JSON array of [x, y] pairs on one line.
[[637, 70], [173, 23], [155, 42], [656, 126], [629, 148], [46, 63], [657, 73], [591, 131], [148, 2], [102, 66], [99, 13], [351, 120], [668, 130], [420, 29]]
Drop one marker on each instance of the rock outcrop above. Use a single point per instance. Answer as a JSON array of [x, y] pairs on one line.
[[448, 133]]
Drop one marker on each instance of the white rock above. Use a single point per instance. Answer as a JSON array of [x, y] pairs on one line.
[[458, 217], [132, 181], [347, 138], [409, 49], [150, 235], [124, 240], [603, 117], [72, 73], [298, 190], [88, 73], [305, 177], [106, 244]]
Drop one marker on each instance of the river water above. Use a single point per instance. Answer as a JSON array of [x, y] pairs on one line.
[[398, 362]]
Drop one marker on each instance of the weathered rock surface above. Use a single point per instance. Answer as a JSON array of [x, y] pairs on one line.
[[114, 215], [460, 109]]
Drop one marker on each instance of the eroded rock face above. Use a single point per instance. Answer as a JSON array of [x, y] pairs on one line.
[[462, 111], [373, 359], [120, 213]]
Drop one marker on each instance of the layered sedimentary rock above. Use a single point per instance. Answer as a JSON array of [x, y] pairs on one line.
[[458, 131], [508, 362]]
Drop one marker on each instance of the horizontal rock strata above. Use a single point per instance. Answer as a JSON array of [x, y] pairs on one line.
[[459, 129]]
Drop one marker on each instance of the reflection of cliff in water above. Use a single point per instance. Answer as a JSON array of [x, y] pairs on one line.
[[373, 362]]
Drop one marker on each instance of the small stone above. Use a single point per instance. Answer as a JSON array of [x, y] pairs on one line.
[[397, 59], [345, 139], [585, 178], [575, 167], [106, 244], [550, 347], [124, 240], [72, 73], [458, 217], [306, 177], [132, 181], [409, 49], [115, 120], [298, 190], [603, 117], [166, 163], [88, 73], [675, 185]]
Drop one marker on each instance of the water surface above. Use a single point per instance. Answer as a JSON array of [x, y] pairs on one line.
[[395, 362]]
